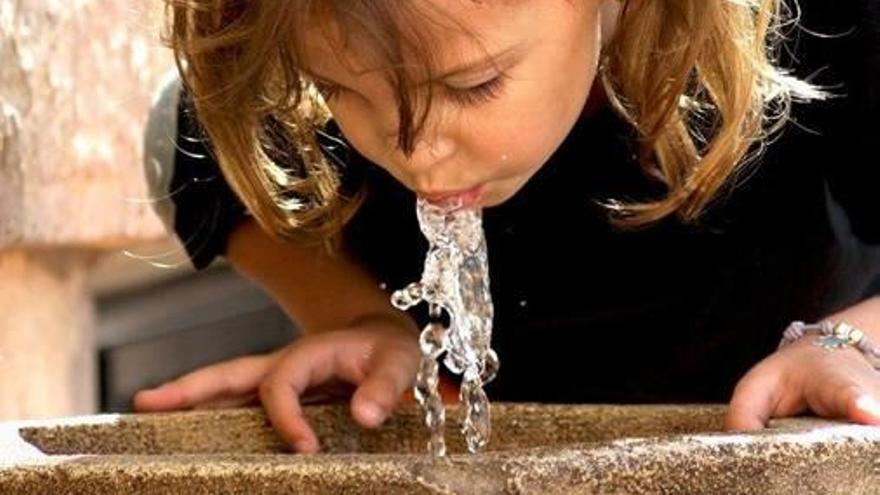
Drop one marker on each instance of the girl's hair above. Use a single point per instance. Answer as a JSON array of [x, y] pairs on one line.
[[698, 80]]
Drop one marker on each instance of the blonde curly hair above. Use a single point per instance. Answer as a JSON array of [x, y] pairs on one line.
[[698, 80]]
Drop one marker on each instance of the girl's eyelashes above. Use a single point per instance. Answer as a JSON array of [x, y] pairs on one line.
[[479, 94], [473, 96]]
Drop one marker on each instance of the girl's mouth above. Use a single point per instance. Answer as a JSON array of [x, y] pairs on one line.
[[469, 198]]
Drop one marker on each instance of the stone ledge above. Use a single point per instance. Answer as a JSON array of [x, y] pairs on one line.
[[535, 448]]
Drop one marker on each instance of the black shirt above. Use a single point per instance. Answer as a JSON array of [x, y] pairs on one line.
[[670, 313]]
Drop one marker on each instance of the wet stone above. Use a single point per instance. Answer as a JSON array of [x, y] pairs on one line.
[[534, 449]]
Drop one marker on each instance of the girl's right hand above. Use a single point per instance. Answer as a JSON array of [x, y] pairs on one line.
[[379, 356]]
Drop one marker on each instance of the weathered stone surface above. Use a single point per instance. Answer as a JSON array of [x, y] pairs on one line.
[[535, 449], [76, 80], [47, 361]]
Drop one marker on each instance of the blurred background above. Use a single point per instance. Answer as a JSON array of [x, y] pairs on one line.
[[96, 300]]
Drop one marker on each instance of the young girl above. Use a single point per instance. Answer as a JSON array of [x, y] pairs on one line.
[[662, 198]]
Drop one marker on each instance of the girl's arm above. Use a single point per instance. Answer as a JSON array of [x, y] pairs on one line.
[[839, 383], [357, 337], [317, 291]]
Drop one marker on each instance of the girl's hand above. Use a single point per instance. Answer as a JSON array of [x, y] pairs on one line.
[[840, 383], [379, 356]]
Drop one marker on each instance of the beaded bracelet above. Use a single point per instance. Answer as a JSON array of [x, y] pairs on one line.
[[834, 336]]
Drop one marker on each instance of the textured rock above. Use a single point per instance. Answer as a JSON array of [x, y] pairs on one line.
[[75, 86], [535, 449], [47, 361]]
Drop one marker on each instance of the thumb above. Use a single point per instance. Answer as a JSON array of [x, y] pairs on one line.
[[391, 372], [866, 410], [753, 403]]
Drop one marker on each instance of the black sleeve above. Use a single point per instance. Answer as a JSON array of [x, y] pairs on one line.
[[846, 55], [206, 208]]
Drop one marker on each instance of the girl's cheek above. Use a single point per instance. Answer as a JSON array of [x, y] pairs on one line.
[[359, 133]]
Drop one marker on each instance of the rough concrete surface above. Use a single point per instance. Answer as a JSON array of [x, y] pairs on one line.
[[535, 449], [47, 361], [76, 83]]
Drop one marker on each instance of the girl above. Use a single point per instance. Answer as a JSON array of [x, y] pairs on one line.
[[662, 197]]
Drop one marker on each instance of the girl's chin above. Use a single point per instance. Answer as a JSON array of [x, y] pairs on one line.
[[497, 197]]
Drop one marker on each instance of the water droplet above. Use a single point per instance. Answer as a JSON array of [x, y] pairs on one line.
[[407, 297], [490, 366], [433, 340], [476, 426]]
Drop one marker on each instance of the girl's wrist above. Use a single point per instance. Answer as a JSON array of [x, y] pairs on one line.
[[839, 331], [864, 315]]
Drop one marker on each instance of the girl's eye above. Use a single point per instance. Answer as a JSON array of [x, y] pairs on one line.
[[472, 96], [479, 94]]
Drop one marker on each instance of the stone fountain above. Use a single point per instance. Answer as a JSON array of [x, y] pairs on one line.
[[75, 88], [74, 96], [534, 449]]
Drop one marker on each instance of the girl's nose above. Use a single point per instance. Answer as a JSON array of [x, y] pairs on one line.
[[429, 151]]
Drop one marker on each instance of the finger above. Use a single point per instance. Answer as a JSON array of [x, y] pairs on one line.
[[333, 391], [845, 389], [227, 380], [302, 367], [867, 409], [857, 403], [754, 401], [391, 371], [250, 399]]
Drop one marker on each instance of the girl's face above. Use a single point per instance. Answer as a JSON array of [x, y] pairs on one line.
[[490, 127]]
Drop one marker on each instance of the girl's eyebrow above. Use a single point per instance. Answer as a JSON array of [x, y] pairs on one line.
[[507, 57]]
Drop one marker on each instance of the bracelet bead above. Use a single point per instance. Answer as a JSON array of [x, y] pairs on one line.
[[833, 336]]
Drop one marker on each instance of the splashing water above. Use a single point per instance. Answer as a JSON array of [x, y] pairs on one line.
[[455, 278]]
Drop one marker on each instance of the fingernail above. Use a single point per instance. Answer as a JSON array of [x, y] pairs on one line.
[[305, 447], [869, 404], [372, 413]]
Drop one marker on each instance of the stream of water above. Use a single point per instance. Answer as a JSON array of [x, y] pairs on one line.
[[455, 279]]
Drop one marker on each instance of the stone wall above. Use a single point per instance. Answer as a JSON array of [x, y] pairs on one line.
[[76, 82]]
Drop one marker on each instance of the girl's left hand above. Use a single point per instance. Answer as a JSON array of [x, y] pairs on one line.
[[839, 384]]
